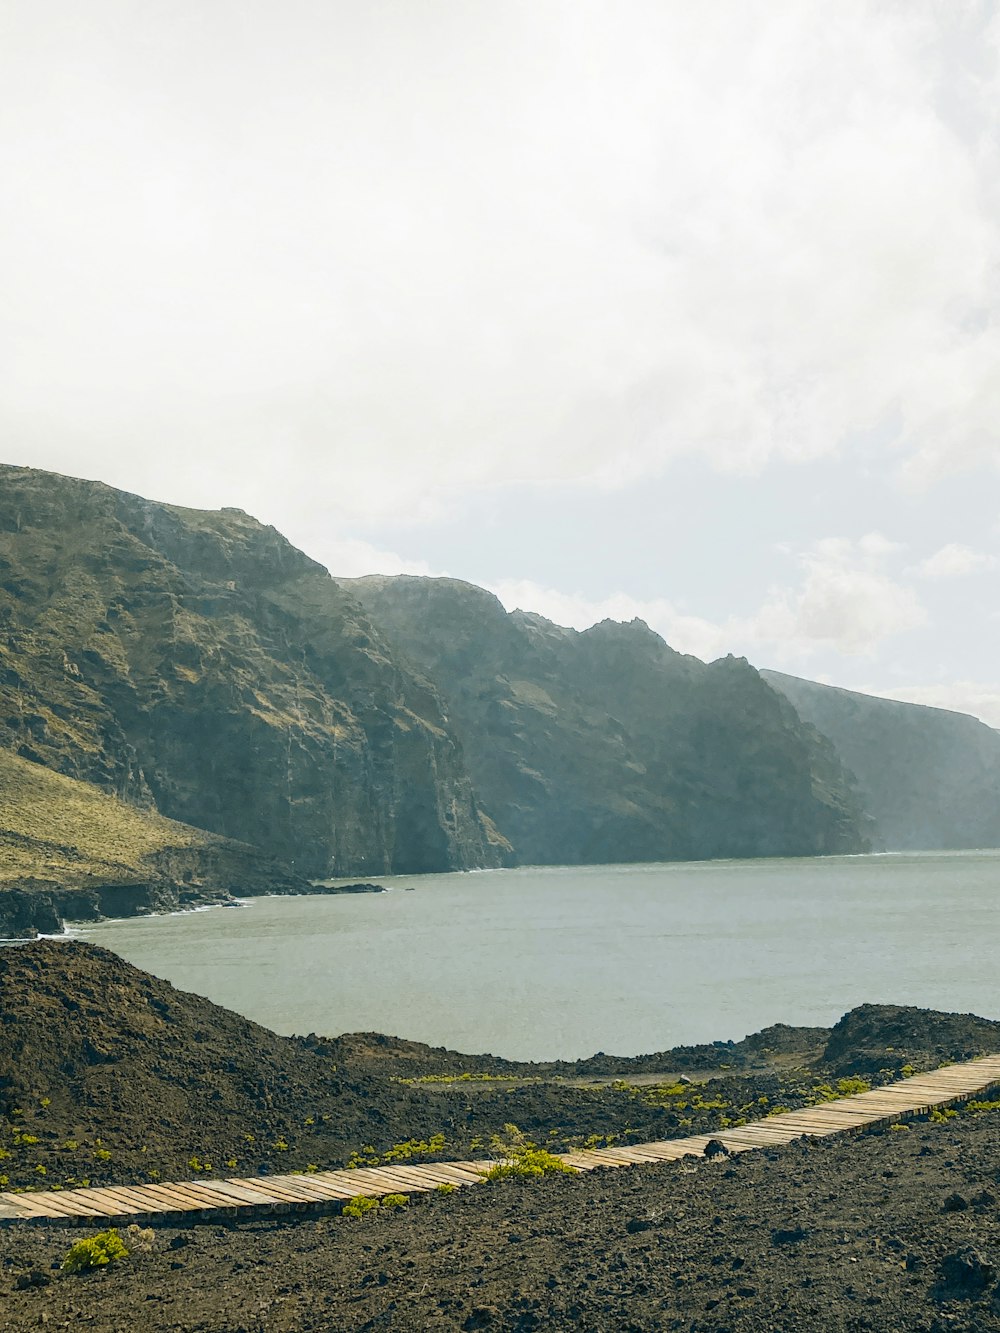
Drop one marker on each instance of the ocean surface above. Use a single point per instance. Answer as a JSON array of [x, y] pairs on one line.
[[540, 963]]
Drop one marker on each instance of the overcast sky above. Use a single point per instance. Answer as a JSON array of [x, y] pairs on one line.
[[685, 311]]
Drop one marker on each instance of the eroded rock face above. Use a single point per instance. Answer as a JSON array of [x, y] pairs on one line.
[[607, 745], [199, 662]]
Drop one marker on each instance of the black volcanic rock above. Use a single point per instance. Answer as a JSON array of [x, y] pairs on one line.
[[198, 662], [608, 746], [929, 778]]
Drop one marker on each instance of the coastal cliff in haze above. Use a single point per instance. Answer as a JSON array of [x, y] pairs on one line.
[[607, 745], [928, 777]]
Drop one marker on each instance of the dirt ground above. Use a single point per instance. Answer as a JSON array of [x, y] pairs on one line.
[[896, 1231]]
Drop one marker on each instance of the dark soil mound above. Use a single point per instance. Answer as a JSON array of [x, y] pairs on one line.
[[396, 1057], [884, 1036], [142, 1077]]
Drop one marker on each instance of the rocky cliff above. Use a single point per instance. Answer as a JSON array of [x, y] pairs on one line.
[[200, 664], [928, 777], [607, 745]]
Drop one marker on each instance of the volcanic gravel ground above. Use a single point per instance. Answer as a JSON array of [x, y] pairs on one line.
[[896, 1231]]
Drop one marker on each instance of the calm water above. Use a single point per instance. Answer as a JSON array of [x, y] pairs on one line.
[[541, 963]]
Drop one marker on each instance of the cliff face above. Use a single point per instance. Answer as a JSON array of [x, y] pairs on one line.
[[928, 777], [607, 745], [199, 663]]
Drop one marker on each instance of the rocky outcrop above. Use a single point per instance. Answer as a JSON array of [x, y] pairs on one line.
[[199, 663], [929, 778], [607, 745]]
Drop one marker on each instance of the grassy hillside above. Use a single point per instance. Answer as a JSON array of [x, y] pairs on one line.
[[53, 827], [69, 851]]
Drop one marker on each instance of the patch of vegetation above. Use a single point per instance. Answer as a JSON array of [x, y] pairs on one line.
[[977, 1107], [64, 830], [359, 1205], [107, 1247], [519, 1156], [399, 1152]]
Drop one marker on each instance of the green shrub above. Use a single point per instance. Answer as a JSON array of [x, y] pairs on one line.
[[446, 1187], [939, 1116], [359, 1205], [95, 1252], [519, 1156], [978, 1106], [395, 1200], [850, 1087]]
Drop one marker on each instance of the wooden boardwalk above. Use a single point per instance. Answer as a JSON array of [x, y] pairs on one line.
[[325, 1191]]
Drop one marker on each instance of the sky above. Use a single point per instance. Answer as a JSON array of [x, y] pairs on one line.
[[647, 308]]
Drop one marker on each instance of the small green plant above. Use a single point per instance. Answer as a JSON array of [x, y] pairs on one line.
[[976, 1107], [518, 1156], [897, 1127], [446, 1187], [941, 1116], [359, 1205], [102, 1155], [95, 1252], [395, 1200], [850, 1087], [907, 1071], [280, 1145]]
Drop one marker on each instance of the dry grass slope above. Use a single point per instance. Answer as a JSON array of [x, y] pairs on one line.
[[54, 827]]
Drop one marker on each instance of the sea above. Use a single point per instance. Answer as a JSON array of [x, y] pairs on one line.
[[543, 963]]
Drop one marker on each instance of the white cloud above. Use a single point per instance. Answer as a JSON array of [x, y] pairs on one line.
[[350, 558], [845, 602], [955, 561], [359, 259], [979, 698]]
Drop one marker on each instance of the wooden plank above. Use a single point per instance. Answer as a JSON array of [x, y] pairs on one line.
[[378, 1180], [339, 1183], [117, 1203], [241, 1194], [69, 1205], [276, 1193], [309, 1188], [415, 1178], [197, 1195], [464, 1173], [425, 1177], [39, 1206]]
